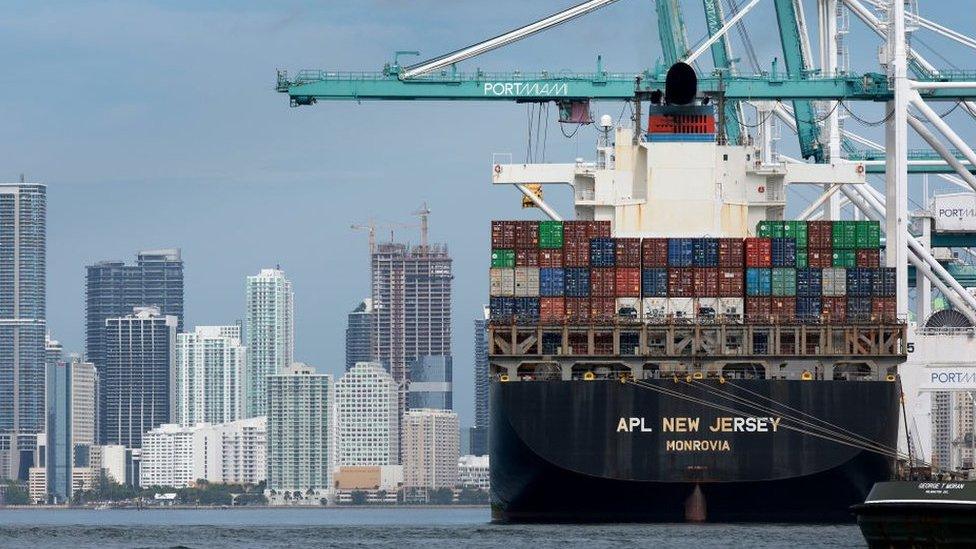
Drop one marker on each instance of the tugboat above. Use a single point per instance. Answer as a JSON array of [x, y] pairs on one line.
[[927, 513]]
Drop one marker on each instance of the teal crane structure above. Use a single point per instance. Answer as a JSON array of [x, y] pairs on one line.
[[722, 60]]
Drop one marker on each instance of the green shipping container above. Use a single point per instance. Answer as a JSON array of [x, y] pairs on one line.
[[784, 282], [797, 230], [770, 229], [503, 258], [550, 234], [868, 234], [844, 235], [845, 258], [801, 258]]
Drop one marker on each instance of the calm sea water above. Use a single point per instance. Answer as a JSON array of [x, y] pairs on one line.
[[377, 528]]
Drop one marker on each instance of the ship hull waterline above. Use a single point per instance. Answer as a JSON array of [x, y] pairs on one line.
[[605, 451]]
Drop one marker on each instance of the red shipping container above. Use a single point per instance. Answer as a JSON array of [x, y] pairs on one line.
[[596, 229], [503, 234], [574, 230], [628, 282], [731, 282], [527, 257], [883, 309], [576, 253], [759, 252], [868, 258], [705, 280], [782, 309], [552, 309], [654, 252], [681, 282], [578, 309], [627, 252], [550, 257], [820, 234], [526, 234], [603, 281], [731, 252], [602, 309], [820, 258], [757, 309], [834, 309]]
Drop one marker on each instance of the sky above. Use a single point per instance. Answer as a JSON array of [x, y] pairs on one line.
[[156, 124]]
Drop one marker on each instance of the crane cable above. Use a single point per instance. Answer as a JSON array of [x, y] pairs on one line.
[[893, 453]]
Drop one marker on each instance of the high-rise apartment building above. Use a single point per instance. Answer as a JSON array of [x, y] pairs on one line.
[[244, 446], [70, 428], [478, 435], [411, 291], [270, 332], [430, 449], [136, 380], [113, 289], [366, 417], [300, 442], [431, 383], [359, 334], [23, 249], [210, 364], [954, 429]]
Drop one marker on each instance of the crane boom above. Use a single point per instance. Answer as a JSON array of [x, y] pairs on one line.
[[722, 59], [798, 67]]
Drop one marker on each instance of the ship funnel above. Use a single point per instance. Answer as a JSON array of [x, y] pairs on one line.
[[681, 84]]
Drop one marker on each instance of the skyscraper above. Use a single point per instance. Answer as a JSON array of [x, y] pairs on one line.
[[210, 365], [430, 449], [270, 334], [479, 432], [136, 377], [359, 334], [23, 248], [113, 289], [366, 417], [411, 290], [70, 427], [431, 383], [300, 441]]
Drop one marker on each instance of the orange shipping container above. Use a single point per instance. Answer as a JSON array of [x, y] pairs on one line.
[[759, 252], [628, 282]]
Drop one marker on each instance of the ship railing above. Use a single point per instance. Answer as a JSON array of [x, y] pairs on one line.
[[946, 330]]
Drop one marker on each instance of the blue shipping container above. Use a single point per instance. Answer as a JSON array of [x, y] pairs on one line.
[[859, 282], [552, 282], [809, 283], [602, 252], [680, 252], [577, 282], [502, 308], [704, 252], [527, 308], [784, 252], [883, 282], [808, 308], [759, 282], [858, 308], [654, 282]]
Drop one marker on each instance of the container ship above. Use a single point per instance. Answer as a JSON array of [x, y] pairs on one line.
[[680, 351]]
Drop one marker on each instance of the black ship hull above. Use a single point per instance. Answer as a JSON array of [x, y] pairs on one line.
[[605, 451]]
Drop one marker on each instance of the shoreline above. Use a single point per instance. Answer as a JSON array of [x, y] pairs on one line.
[[229, 508]]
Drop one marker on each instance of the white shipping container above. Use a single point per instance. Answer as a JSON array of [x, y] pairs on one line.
[[731, 307], [629, 308], [526, 282], [501, 282], [835, 282], [682, 307], [654, 309], [706, 306]]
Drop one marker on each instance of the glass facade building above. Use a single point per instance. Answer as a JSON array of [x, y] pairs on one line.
[[359, 334], [431, 384], [478, 434], [23, 249]]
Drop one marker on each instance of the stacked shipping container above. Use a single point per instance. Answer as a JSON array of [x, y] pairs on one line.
[[793, 271]]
